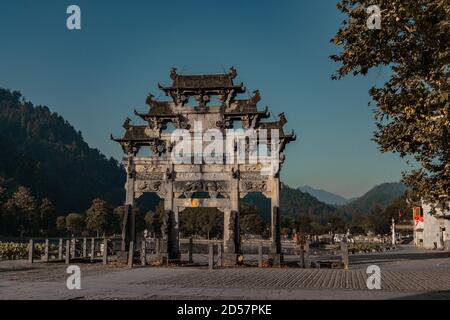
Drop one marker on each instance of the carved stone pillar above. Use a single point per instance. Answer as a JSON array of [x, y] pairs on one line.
[[129, 218], [174, 235], [171, 234], [275, 256], [231, 232]]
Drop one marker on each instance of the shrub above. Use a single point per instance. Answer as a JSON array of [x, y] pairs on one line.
[[12, 250]]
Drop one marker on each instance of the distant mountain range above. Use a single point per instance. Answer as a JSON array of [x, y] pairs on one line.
[[382, 195], [294, 203], [324, 196]]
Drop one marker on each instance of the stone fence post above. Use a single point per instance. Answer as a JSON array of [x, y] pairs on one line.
[[60, 249], [30, 251], [84, 247], [68, 253], [73, 248], [92, 249], [211, 256], [344, 254], [260, 255], [219, 254], [105, 252], [131, 254], [190, 250], [143, 252], [302, 256]]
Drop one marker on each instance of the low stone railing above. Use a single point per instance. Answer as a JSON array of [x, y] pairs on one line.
[[85, 249]]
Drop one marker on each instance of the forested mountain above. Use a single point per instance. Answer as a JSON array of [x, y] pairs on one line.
[[295, 204], [382, 195], [43, 152]]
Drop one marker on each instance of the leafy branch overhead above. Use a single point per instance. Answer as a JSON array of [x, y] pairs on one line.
[[412, 108]]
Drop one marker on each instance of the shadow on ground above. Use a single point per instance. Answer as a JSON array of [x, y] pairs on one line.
[[355, 259], [436, 295]]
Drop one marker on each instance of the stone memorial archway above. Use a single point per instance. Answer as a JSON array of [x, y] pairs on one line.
[[225, 182]]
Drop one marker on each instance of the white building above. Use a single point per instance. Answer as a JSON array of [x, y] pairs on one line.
[[431, 231]]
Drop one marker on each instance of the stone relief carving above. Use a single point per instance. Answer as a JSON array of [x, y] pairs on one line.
[[150, 186], [249, 121], [130, 148], [256, 176], [158, 146], [181, 122], [213, 188], [189, 187], [149, 172], [255, 167], [254, 186]]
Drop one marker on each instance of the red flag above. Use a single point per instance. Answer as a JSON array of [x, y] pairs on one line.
[[400, 214]]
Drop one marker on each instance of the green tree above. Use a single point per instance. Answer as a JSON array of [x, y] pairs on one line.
[[317, 228], [287, 222], [61, 224], [47, 217], [2, 191], [337, 225], [250, 219], [118, 219], [4, 221], [149, 219], [412, 108], [153, 222], [75, 224], [99, 217], [399, 210], [209, 218], [252, 224], [359, 224], [23, 206], [303, 225], [201, 221], [140, 219], [378, 222], [189, 221]]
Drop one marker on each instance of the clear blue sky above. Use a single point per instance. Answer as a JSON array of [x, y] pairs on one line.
[[95, 77]]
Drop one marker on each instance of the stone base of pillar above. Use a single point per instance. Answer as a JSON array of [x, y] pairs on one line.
[[122, 257], [230, 259], [163, 259], [275, 259], [174, 256], [163, 252]]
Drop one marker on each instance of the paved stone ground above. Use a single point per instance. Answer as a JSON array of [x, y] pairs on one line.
[[407, 273]]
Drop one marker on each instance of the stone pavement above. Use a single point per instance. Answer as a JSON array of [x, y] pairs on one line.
[[408, 273]]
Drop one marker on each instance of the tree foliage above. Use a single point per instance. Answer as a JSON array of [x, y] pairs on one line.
[[412, 108], [47, 215], [99, 217], [204, 222], [250, 220], [23, 206], [75, 224], [61, 224]]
